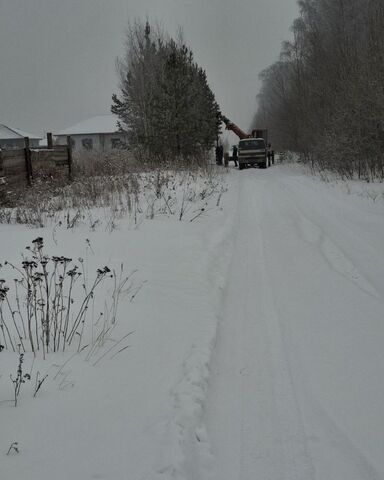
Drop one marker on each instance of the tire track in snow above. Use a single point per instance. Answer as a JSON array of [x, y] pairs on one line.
[[334, 255], [338, 228], [344, 446], [253, 415], [297, 451], [345, 457]]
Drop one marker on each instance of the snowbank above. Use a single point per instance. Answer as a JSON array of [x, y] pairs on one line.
[[133, 414]]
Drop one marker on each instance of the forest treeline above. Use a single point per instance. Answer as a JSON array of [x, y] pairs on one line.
[[324, 98], [165, 104]]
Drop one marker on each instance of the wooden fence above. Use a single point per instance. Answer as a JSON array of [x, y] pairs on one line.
[[24, 166]]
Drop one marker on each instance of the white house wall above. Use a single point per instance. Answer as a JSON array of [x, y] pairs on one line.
[[101, 142]]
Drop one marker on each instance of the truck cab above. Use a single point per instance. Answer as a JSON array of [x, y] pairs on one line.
[[252, 152]]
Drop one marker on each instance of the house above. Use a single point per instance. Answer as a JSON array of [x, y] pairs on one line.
[[99, 133], [11, 138]]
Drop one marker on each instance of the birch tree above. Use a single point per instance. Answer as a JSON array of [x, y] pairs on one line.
[[330, 106]]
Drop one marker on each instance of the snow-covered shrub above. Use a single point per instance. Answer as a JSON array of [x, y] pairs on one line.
[[117, 190], [44, 311]]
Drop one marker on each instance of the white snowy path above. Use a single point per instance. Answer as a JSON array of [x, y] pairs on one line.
[[296, 389]]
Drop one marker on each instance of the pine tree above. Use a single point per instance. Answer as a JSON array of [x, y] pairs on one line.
[[165, 104]]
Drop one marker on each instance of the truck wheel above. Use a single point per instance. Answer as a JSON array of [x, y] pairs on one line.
[[241, 166]]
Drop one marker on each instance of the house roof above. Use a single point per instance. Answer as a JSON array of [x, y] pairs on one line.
[[10, 133], [98, 124]]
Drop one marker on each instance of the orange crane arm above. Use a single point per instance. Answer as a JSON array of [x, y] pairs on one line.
[[235, 129]]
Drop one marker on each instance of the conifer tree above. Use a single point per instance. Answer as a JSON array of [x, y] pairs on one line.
[[165, 104]]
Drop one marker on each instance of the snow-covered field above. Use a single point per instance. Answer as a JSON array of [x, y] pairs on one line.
[[256, 352]]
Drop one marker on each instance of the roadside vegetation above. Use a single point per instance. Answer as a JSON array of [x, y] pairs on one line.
[[109, 187], [42, 311], [324, 98]]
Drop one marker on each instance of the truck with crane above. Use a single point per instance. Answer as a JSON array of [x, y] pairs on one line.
[[252, 148]]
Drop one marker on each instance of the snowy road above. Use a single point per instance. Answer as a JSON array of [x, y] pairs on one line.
[[296, 390], [258, 351]]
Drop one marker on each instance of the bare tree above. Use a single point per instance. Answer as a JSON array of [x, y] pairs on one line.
[[324, 97]]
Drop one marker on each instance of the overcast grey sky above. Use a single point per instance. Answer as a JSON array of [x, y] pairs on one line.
[[57, 57]]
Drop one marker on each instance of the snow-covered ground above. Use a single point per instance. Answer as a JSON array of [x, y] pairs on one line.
[[295, 390], [257, 349]]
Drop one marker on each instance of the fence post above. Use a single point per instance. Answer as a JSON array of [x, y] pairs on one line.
[[28, 162], [69, 149], [49, 140], [2, 181]]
